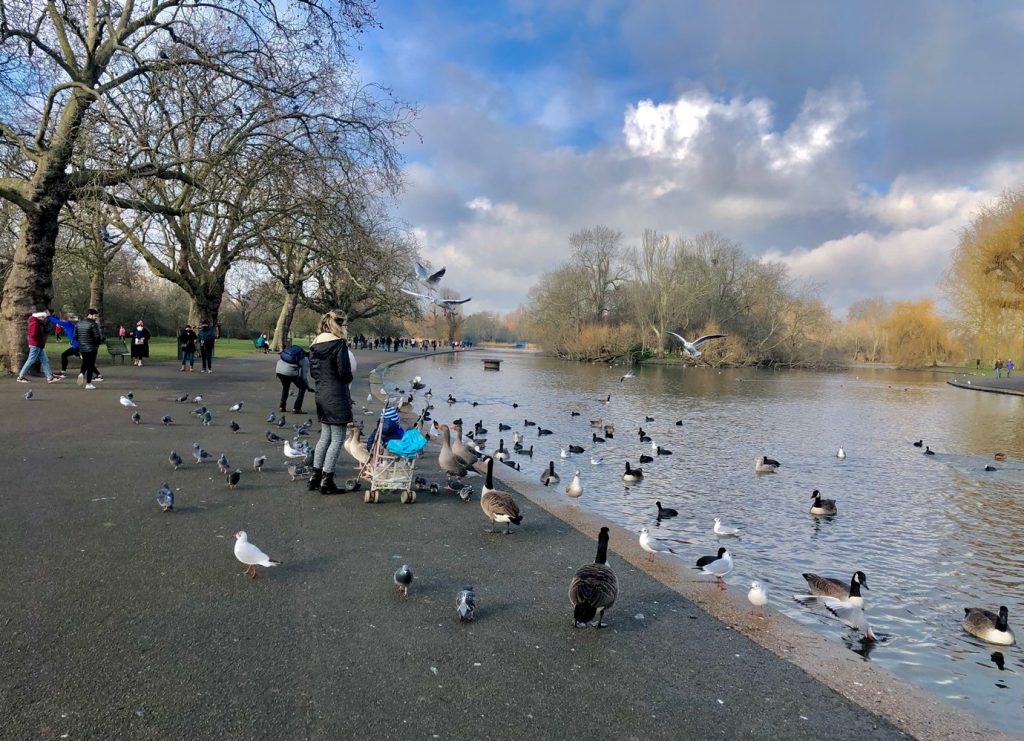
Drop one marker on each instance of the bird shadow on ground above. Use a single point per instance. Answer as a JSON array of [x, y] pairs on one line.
[[316, 565], [205, 507]]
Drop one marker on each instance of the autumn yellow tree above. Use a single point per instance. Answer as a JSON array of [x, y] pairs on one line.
[[916, 335]]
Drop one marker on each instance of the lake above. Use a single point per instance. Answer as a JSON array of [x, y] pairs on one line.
[[933, 534]]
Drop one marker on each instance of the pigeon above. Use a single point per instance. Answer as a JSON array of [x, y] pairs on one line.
[[234, 477], [465, 493], [296, 471], [758, 596], [197, 399], [721, 529], [257, 464], [403, 578], [272, 438], [718, 566], [250, 555], [175, 459], [433, 488], [165, 497], [234, 426], [690, 348], [465, 604], [271, 418], [207, 419], [653, 545], [282, 421], [166, 419], [127, 402], [293, 452], [28, 394], [235, 407], [199, 454], [629, 374], [136, 417], [181, 399], [222, 464], [199, 411]]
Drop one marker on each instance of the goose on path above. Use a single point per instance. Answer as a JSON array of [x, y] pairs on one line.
[[594, 586], [653, 545], [448, 462], [499, 506]]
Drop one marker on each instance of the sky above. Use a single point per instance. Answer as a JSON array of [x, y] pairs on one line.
[[850, 141]]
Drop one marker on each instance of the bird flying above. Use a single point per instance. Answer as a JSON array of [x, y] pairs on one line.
[[690, 348]]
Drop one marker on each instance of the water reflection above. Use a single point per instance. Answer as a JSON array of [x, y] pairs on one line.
[[934, 534]]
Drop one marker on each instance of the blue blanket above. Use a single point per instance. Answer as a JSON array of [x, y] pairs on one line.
[[410, 444]]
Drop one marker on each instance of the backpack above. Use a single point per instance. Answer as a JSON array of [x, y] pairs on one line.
[[293, 354]]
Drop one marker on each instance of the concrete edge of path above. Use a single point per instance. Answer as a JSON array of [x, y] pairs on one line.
[[911, 709], [1013, 386]]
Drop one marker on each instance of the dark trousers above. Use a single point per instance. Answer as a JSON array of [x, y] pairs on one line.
[[89, 365], [286, 384], [206, 352], [71, 351]]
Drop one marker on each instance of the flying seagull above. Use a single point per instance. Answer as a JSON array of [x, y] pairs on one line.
[[444, 303], [429, 279], [690, 348]]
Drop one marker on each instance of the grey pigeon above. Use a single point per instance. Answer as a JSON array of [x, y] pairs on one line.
[[222, 463], [235, 407], [136, 417], [234, 477], [296, 471], [309, 423], [465, 493], [199, 411], [234, 426], [308, 460], [175, 459], [257, 463], [207, 419], [282, 422], [199, 454], [166, 419], [465, 604], [181, 399], [28, 394], [272, 438], [271, 417], [403, 578], [165, 497], [197, 399]]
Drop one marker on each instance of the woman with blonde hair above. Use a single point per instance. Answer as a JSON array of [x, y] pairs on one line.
[[332, 365]]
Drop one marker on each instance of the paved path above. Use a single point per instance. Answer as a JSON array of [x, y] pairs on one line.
[[122, 622], [1013, 385]]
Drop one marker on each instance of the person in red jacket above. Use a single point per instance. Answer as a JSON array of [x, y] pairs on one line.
[[38, 329]]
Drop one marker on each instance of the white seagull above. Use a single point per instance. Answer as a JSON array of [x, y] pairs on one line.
[[840, 454], [852, 615], [653, 545], [290, 452], [758, 597], [718, 566], [250, 555], [236, 407], [721, 529], [126, 402], [690, 348]]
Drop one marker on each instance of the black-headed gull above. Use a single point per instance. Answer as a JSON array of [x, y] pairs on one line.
[[652, 545], [250, 555], [690, 348], [718, 566], [721, 529], [852, 615], [758, 596]]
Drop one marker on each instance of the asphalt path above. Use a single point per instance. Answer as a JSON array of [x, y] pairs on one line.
[[119, 621]]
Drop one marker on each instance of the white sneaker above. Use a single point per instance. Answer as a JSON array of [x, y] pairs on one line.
[[89, 386], [99, 379]]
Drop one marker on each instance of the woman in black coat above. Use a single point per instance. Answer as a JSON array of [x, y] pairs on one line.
[[332, 365], [140, 343]]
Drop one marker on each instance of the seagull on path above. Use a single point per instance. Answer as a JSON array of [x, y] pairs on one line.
[[718, 566], [127, 402], [290, 452], [250, 555], [758, 597], [652, 545]]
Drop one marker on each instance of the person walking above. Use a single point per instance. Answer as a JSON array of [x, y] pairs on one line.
[[89, 337], [332, 366], [66, 328], [1010, 365], [140, 343], [38, 329], [187, 347], [293, 369], [206, 339]]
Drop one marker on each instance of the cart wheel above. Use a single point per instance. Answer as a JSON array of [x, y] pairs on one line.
[[374, 496], [408, 497], [368, 496]]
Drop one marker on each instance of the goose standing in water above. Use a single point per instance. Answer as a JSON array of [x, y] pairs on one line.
[[548, 477], [822, 506], [594, 586], [690, 348], [826, 589], [499, 506], [575, 487], [764, 464], [632, 475], [988, 626]]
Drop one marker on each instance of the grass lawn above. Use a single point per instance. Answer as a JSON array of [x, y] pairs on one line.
[[166, 349]]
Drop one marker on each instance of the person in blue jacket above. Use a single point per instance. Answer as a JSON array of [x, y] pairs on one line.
[[68, 327]]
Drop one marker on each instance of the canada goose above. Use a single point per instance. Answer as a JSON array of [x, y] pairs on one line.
[[988, 626], [596, 422], [664, 512], [764, 464], [822, 506], [357, 449], [548, 477], [594, 586], [499, 506], [446, 459], [502, 454], [575, 487], [646, 458], [512, 464], [840, 454], [595, 438], [577, 449], [632, 474], [928, 451], [824, 588], [718, 566], [489, 478]]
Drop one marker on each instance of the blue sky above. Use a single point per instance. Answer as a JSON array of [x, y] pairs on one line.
[[849, 140]]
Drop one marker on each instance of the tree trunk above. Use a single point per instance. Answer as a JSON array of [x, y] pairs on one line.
[[29, 286], [97, 289], [205, 304], [284, 321]]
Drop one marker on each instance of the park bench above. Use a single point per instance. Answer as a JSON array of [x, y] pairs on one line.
[[117, 349]]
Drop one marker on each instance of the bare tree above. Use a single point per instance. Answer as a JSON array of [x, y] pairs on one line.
[[597, 252]]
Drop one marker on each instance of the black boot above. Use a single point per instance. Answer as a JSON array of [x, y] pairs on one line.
[[315, 479], [328, 486]]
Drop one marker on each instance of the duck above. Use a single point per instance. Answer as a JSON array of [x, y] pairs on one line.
[[928, 451], [664, 512], [501, 453], [541, 432], [595, 438], [841, 454], [648, 419], [658, 450], [575, 487], [502, 427], [499, 506], [646, 458], [479, 428], [577, 449], [528, 423], [825, 589], [679, 423], [718, 566], [574, 414], [593, 587], [645, 438], [632, 474], [548, 477], [764, 464], [512, 464], [988, 626], [919, 444], [822, 506], [989, 467]]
